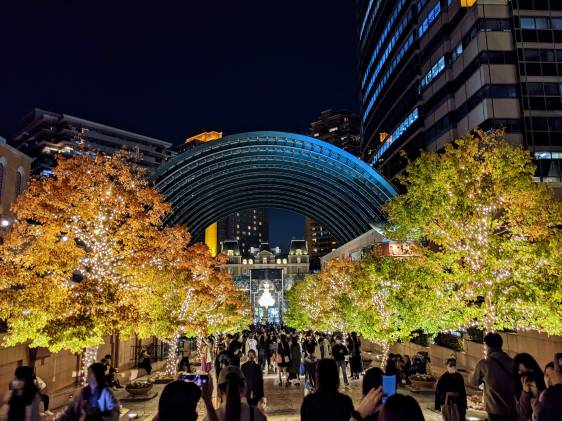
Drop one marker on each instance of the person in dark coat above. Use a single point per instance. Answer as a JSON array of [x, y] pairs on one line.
[[327, 403], [450, 388], [254, 379], [144, 359], [356, 363], [295, 363]]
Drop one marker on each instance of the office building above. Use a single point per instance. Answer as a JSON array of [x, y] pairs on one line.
[[44, 135], [248, 227], [15, 168], [432, 70], [342, 129]]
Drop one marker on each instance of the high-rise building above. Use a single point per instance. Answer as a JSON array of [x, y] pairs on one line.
[[248, 227], [44, 135], [432, 70], [342, 129]]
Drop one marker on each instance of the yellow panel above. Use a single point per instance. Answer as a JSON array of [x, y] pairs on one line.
[[468, 3], [211, 233]]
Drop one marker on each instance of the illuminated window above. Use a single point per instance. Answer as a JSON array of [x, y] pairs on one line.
[[406, 123], [284, 261], [333, 129], [433, 72], [278, 261], [264, 260], [245, 261], [298, 259], [430, 18], [251, 261]]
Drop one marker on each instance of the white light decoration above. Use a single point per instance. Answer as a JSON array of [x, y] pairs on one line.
[[266, 300]]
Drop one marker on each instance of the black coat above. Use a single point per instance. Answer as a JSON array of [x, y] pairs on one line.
[[450, 382], [296, 355], [254, 380]]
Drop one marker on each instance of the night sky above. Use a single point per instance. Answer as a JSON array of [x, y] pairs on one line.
[[170, 69]]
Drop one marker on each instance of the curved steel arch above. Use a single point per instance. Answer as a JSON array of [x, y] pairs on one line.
[[274, 169]]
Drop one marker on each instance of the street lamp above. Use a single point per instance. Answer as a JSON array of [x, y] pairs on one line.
[[5, 222]]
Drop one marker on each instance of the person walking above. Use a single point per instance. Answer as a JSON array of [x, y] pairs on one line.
[[23, 397], [283, 358], [95, 401], [450, 393], [254, 379], [339, 352], [295, 361], [495, 372], [327, 403]]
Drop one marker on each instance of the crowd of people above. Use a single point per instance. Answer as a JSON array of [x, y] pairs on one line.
[[514, 389]]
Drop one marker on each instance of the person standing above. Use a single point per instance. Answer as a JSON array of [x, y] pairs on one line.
[[495, 372], [23, 397], [144, 359], [251, 345], [254, 379], [450, 393], [339, 351], [327, 403], [283, 358], [356, 364], [309, 349], [96, 401]]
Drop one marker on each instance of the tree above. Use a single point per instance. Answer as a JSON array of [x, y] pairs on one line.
[[391, 299], [190, 297], [67, 264], [495, 230]]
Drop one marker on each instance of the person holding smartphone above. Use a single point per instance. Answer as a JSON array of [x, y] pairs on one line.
[[548, 407]]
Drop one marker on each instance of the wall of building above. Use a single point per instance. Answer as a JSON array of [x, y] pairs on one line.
[[13, 162]]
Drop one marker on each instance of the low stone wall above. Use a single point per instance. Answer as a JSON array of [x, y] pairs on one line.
[[60, 371], [541, 346]]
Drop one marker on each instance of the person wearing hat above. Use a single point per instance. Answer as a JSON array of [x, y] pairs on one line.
[[232, 386]]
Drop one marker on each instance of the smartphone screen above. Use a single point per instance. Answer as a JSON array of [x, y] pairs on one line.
[[198, 379], [388, 387]]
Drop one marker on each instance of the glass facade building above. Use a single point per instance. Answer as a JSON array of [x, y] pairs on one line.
[[432, 70]]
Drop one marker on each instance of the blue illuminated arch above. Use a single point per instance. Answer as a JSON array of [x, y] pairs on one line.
[[274, 169]]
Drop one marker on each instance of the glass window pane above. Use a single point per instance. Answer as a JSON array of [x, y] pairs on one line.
[[527, 23], [542, 23]]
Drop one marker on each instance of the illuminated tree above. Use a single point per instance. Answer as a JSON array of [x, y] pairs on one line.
[[190, 297], [66, 265], [496, 231], [392, 299]]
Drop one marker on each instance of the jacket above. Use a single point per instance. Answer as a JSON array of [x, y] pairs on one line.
[[499, 389]]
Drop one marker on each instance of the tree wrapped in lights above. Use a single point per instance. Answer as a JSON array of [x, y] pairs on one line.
[[496, 231], [190, 297], [321, 302], [66, 265], [393, 299]]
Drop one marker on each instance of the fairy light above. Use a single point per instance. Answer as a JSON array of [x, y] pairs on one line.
[[89, 356]]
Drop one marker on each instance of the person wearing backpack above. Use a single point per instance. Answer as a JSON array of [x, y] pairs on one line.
[[495, 372]]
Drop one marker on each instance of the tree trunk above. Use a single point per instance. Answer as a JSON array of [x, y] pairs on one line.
[[89, 356]]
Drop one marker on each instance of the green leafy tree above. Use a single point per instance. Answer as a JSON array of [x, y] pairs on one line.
[[494, 229]]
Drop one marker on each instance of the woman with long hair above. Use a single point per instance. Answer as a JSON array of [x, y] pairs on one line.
[[179, 400], [232, 385], [283, 358], [327, 403], [95, 401], [529, 383], [23, 397]]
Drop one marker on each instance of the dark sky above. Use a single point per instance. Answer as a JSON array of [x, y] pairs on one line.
[[170, 69]]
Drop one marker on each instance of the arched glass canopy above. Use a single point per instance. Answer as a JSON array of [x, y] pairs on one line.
[[274, 169]]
